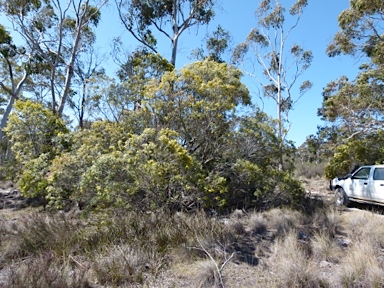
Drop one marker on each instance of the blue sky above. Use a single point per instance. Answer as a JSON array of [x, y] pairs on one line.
[[316, 29]]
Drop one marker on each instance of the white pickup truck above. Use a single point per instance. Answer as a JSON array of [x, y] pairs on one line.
[[365, 185]]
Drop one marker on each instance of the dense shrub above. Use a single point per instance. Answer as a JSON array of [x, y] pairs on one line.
[[185, 148]]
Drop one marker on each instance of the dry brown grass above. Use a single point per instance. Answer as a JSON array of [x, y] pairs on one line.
[[121, 264], [366, 227], [205, 274], [325, 248], [316, 186], [257, 224], [361, 267], [363, 264], [275, 248], [291, 265], [283, 221], [44, 271]]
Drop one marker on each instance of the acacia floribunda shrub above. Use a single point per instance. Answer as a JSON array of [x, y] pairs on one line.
[[184, 148], [147, 171], [37, 136], [153, 166]]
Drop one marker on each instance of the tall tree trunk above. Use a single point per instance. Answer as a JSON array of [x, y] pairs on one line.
[[69, 74], [5, 117], [13, 93], [280, 124]]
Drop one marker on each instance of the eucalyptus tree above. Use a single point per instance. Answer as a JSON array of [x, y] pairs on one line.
[[58, 32], [361, 31], [216, 45], [267, 47], [355, 107], [170, 18], [17, 66], [88, 72]]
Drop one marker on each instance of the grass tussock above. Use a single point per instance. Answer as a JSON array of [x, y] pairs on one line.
[[257, 224], [325, 248], [361, 267], [121, 264], [283, 247], [366, 227], [45, 271], [206, 274], [283, 221], [291, 264]]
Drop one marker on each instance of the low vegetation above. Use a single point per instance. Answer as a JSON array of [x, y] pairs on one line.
[[116, 248]]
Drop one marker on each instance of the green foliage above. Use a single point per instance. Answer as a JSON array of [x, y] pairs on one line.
[[5, 37], [140, 18], [363, 151], [355, 107], [356, 36], [105, 182], [144, 171], [21, 7], [35, 130], [216, 45], [67, 170], [32, 181], [358, 102], [198, 103], [143, 65], [250, 163], [264, 187], [63, 180], [184, 148], [152, 170], [37, 136], [92, 13]]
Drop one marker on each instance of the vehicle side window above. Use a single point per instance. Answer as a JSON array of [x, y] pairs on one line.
[[378, 174], [363, 173]]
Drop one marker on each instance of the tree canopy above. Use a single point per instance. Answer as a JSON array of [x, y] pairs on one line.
[[170, 18], [355, 107], [279, 66]]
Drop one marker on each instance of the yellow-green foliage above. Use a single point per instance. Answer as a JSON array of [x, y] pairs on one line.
[[33, 180], [151, 170], [37, 136], [63, 179], [34, 130], [362, 151], [198, 102], [184, 147], [268, 184]]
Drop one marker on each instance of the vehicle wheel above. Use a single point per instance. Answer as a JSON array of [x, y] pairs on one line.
[[341, 199]]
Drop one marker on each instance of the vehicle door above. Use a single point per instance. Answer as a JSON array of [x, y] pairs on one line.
[[359, 183], [377, 185]]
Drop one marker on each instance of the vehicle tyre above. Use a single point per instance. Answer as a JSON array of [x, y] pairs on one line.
[[341, 199]]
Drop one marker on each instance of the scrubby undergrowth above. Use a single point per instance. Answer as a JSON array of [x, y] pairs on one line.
[[275, 248]]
